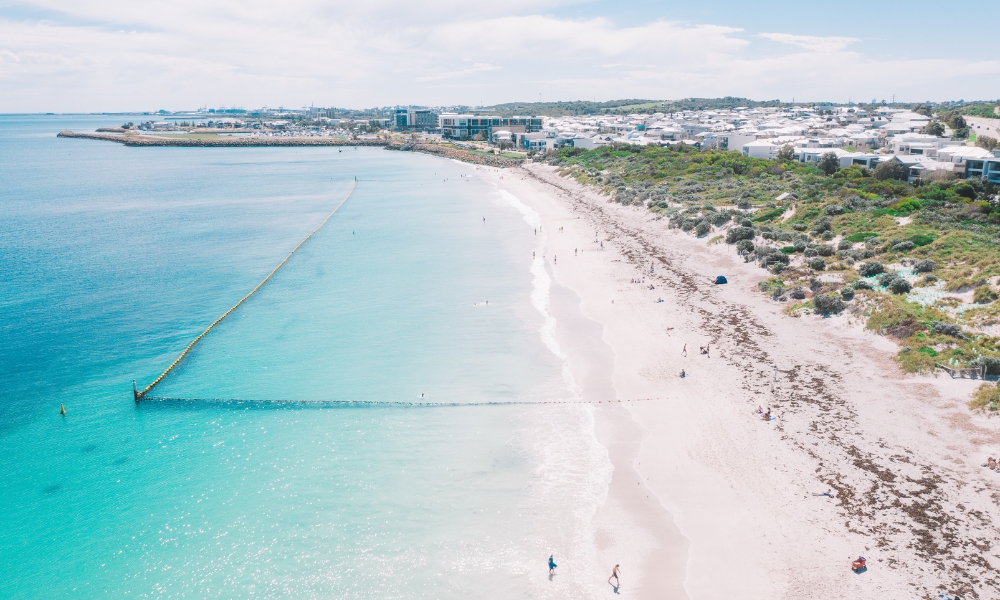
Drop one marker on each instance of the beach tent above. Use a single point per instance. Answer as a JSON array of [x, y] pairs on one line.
[[720, 279]]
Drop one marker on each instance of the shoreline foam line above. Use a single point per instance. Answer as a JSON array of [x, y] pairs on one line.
[[140, 395]]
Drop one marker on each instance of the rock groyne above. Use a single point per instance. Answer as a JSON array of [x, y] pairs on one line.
[[443, 150]]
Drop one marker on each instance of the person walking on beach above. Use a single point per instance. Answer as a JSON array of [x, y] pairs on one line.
[[684, 352], [552, 565], [614, 575]]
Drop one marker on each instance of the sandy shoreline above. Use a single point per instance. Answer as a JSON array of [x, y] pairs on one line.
[[730, 510]]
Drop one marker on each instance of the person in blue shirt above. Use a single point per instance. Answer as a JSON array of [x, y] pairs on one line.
[[552, 565]]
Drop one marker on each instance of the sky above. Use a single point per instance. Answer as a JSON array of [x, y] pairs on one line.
[[134, 55]]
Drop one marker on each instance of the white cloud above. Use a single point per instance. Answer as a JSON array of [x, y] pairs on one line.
[[812, 43], [120, 55]]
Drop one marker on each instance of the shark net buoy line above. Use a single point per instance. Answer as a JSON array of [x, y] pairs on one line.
[[245, 402], [139, 395]]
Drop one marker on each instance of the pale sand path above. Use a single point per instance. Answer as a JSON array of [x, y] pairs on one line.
[[901, 453]]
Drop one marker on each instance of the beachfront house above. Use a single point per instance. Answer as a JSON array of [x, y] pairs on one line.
[[537, 142]]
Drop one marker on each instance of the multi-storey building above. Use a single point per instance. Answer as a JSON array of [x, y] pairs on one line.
[[463, 127], [420, 119]]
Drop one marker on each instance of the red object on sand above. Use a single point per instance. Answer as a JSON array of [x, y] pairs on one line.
[[858, 564]]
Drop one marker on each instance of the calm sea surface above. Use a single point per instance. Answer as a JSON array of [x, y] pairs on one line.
[[113, 259]]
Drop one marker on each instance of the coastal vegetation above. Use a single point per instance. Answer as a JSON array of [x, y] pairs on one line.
[[918, 262]]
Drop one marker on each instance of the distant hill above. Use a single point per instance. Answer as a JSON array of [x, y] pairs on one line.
[[627, 106]]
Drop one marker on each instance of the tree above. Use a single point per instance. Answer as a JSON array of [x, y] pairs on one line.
[[959, 127], [890, 169], [934, 128], [985, 141], [786, 153], [829, 163]]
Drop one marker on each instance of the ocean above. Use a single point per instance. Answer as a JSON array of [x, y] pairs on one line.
[[420, 289]]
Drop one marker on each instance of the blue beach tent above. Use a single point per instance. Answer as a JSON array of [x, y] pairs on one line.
[[720, 280]]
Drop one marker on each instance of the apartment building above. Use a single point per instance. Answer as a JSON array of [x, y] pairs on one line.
[[419, 119], [464, 127]]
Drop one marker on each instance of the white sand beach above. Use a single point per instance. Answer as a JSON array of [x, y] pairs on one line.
[[707, 499]]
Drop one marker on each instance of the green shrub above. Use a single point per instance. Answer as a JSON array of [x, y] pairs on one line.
[[900, 286], [991, 363], [860, 237], [769, 215], [966, 191], [986, 397], [924, 266], [871, 268], [984, 295], [817, 264], [905, 207], [739, 233], [702, 229], [894, 283], [821, 225], [828, 303], [847, 293], [950, 329]]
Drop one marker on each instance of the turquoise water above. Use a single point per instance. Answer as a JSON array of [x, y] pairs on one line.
[[114, 258]]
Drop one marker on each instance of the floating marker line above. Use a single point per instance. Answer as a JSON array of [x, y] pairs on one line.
[[140, 395], [167, 399]]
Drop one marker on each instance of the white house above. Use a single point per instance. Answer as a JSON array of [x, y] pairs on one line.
[[813, 155], [918, 167], [960, 154], [765, 148], [866, 160], [916, 143], [539, 142]]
